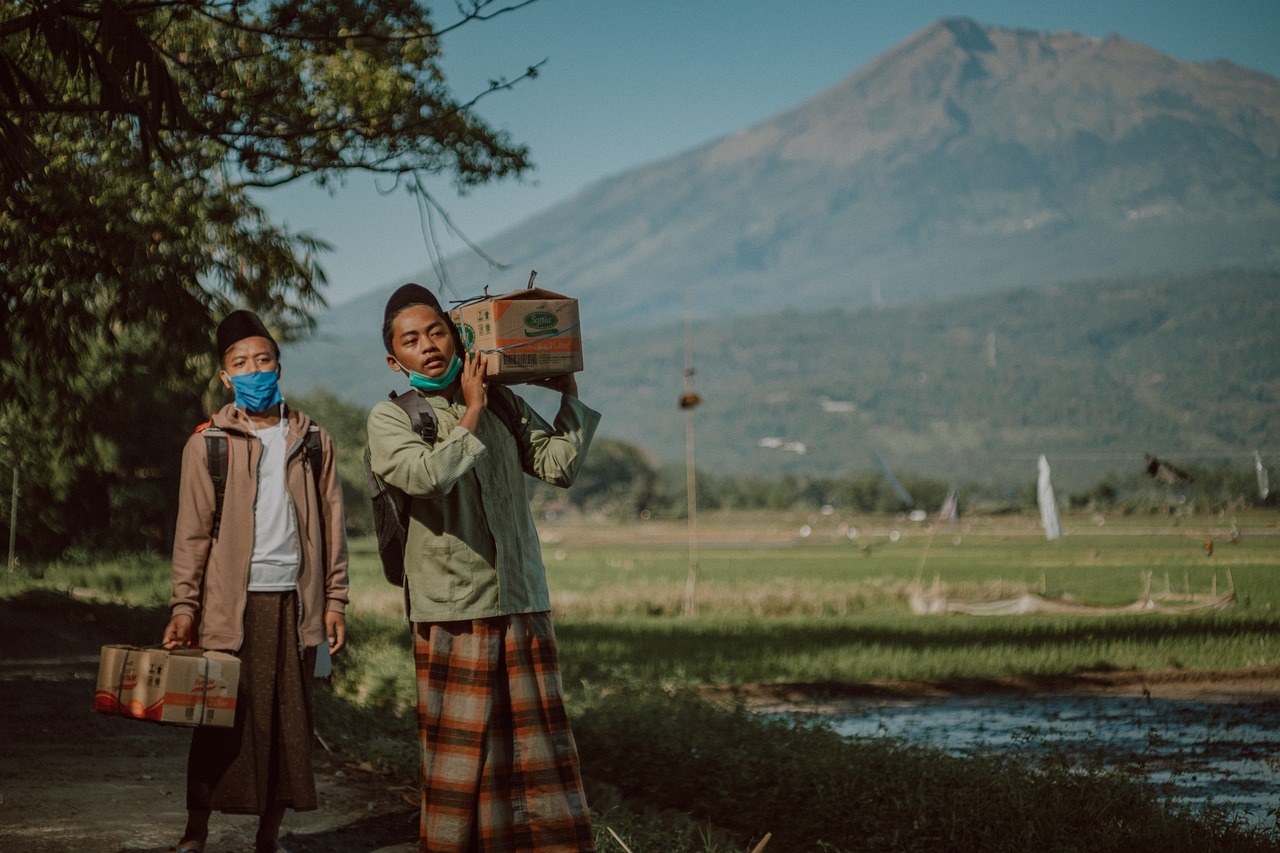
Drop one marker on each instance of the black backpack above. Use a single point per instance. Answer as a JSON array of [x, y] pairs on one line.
[[217, 443], [390, 508]]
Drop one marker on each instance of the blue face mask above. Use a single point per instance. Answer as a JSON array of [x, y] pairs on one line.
[[426, 383], [257, 392]]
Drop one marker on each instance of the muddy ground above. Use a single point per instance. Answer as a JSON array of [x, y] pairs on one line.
[[74, 780]]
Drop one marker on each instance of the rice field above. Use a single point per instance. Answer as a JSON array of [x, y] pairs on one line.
[[815, 598]]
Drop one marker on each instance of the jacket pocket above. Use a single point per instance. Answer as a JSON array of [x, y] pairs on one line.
[[448, 572]]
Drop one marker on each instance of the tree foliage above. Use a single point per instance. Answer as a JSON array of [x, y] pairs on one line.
[[130, 135], [284, 88]]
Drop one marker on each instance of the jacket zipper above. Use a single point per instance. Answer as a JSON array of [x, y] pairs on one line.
[[295, 450]]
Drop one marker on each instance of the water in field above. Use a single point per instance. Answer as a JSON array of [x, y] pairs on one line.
[[1197, 752]]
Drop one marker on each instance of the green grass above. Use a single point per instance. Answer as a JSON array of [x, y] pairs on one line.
[[876, 647], [668, 773], [824, 608], [813, 790], [137, 579]]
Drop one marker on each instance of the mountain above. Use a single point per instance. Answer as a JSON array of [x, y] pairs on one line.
[[967, 158], [1093, 374]]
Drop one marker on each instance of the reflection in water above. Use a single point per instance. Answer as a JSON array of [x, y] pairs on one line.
[[1223, 753]]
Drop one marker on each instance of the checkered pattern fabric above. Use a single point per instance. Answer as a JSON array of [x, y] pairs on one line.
[[499, 764]]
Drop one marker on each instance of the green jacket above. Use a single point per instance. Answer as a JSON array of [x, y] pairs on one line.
[[472, 548]]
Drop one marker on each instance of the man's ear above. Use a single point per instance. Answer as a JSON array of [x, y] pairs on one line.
[[226, 380], [393, 364]]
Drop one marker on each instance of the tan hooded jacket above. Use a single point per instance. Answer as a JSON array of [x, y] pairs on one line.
[[211, 576]]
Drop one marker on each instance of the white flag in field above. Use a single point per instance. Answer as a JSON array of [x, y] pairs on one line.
[[1264, 488], [1048, 507]]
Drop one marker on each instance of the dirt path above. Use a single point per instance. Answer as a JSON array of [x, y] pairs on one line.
[[70, 779], [1255, 685], [74, 780]]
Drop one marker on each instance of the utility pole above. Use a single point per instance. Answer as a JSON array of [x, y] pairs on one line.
[[689, 401]]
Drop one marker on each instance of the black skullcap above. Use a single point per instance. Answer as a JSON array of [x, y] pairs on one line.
[[414, 294], [237, 326], [410, 294]]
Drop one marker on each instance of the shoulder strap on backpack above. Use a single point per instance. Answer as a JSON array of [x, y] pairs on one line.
[[422, 418], [312, 449], [216, 445], [502, 403], [315, 456]]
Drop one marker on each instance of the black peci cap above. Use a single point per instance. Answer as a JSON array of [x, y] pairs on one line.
[[239, 325], [410, 294], [407, 295]]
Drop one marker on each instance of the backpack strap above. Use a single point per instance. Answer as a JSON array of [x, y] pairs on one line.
[[217, 446], [503, 404], [422, 418], [312, 444], [314, 457]]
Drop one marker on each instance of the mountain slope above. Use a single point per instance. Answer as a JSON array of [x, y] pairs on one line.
[[967, 158], [1094, 374]]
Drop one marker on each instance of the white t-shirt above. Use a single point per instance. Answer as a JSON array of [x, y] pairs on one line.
[[276, 550]]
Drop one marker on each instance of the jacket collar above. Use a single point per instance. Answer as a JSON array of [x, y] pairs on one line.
[[235, 420]]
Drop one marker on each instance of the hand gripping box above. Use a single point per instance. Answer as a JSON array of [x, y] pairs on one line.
[[527, 334], [183, 687]]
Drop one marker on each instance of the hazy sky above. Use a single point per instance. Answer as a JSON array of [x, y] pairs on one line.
[[630, 83]]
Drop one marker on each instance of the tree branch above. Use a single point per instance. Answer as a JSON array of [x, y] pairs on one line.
[[476, 15]]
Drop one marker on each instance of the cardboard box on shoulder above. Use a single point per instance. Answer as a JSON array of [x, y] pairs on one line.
[[187, 687], [527, 334]]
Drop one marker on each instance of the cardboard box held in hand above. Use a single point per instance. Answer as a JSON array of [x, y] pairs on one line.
[[182, 687], [527, 334]]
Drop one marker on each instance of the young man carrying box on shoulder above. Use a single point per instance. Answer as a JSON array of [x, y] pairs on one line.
[[499, 767]]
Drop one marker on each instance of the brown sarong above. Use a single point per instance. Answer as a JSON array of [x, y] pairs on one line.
[[265, 759], [499, 763]]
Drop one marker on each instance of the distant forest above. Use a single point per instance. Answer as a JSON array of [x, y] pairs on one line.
[[1094, 375], [620, 482]]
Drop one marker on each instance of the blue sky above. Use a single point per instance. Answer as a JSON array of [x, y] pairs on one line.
[[630, 83]]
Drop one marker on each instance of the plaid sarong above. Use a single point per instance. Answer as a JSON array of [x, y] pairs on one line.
[[499, 764]]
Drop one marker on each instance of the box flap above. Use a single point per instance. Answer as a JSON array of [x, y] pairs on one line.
[[529, 293]]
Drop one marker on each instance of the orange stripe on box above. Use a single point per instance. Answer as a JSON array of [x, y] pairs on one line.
[[191, 700], [558, 344], [105, 702]]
